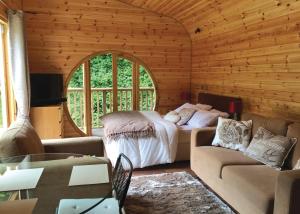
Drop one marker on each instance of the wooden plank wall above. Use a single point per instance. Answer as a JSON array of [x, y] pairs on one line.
[[246, 48], [249, 49], [62, 32], [9, 4]]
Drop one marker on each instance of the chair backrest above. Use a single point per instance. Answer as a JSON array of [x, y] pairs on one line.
[[121, 178]]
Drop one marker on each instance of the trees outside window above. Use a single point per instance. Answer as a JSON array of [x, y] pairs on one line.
[[105, 83]]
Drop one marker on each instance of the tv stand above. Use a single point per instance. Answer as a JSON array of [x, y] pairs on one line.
[[47, 121]]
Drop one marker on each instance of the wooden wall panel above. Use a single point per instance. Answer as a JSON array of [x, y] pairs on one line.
[[245, 48], [9, 4], [250, 49], [12, 4], [60, 33]]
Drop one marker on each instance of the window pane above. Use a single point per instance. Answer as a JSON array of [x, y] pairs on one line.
[[76, 97], [145, 79], [124, 84], [2, 83], [147, 97], [101, 87]]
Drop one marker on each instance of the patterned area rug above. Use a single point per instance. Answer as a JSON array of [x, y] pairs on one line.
[[177, 192]]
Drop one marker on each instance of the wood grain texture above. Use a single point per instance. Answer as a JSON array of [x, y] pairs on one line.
[[3, 14], [252, 53], [245, 48], [12, 4], [42, 117], [8, 4], [60, 33]]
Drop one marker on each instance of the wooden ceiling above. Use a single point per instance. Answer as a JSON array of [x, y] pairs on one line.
[[212, 16], [184, 11]]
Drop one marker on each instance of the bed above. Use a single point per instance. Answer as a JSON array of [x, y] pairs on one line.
[[170, 143]]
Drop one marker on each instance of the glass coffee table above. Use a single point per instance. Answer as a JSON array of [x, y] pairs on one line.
[[53, 184]]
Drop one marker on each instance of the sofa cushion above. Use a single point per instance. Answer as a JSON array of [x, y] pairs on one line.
[[20, 139], [252, 186], [213, 159], [276, 126], [294, 131]]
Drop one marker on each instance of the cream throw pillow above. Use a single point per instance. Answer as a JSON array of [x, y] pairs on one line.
[[233, 134], [204, 107], [270, 149], [221, 113], [185, 115], [202, 119], [172, 116], [192, 106]]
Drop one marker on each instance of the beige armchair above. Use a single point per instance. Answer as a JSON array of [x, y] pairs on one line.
[[21, 138]]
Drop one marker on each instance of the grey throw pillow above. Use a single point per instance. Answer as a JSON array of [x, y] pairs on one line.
[[270, 149], [233, 134], [172, 116], [185, 115]]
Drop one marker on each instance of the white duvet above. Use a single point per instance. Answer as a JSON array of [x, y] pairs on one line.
[[147, 151]]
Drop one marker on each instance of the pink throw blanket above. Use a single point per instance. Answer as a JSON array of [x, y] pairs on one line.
[[129, 124]]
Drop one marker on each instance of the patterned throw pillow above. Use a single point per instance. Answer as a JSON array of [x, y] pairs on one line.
[[172, 116], [185, 115], [270, 149], [233, 134]]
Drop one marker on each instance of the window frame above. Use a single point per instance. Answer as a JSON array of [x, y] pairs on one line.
[[8, 104], [136, 63]]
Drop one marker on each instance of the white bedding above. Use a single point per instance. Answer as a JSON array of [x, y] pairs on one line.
[[147, 151]]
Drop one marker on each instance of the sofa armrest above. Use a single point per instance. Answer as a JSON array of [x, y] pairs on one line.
[[287, 192], [202, 136], [81, 145]]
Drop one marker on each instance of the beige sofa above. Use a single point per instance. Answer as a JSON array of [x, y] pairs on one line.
[[21, 138], [247, 185]]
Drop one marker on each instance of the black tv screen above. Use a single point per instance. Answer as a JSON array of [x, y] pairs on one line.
[[46, 89]]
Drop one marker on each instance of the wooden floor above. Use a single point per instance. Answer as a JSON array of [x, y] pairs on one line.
[[165, 168]]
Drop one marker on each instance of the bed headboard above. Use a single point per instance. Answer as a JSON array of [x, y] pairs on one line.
[[221, 103]]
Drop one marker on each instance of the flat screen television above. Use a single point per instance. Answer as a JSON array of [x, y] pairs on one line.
[[46, 89]]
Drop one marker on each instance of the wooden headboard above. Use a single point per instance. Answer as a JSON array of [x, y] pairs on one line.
[[220, 102]]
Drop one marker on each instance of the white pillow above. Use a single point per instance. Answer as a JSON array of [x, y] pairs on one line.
[[203, 107], [221, 113], [186, 105], [172, 116], [203, 119]]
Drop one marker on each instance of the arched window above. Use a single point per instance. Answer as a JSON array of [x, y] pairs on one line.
[[105, 83]]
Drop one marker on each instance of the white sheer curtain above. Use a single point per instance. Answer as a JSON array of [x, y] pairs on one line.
[[19, 63]]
